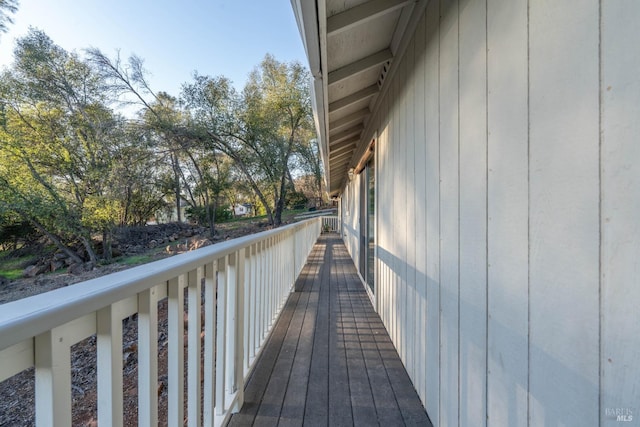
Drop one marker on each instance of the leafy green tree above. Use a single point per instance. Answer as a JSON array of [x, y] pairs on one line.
[[278, 120], [58, 140], [7, 8], [259, 129], [197, 176], [310, 164]]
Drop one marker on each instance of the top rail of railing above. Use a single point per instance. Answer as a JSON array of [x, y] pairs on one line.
[[28, 317]]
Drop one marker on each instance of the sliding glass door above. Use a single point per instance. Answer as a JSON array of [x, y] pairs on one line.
[[368, 223]]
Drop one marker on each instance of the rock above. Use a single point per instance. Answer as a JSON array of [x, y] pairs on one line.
[[78, 268], [199, 243], [33, 270], [56, 265], [75, 269], [59, 256]]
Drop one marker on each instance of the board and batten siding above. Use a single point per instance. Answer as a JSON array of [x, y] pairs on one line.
[[508, 206]]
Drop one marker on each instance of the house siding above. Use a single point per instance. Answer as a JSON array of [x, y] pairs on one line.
[[508, 193]]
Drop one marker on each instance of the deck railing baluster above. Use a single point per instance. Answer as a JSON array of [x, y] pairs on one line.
[[246, 283], [194, 345], [53, 378], [209, 344], [148, 358], [221, 337], [109, 362], [175, 371]]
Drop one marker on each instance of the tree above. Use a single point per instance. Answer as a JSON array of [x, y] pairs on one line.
[[59, 139], [197, 176], [259, 129], [277, 117], [7, 8]]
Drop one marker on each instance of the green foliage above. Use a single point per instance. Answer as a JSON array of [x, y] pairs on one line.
[[296, 200], [73, 168], [198, 214], [7, 8], [12, 233], [12, 267]]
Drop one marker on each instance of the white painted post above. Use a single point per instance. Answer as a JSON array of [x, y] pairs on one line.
[[296, 256], [246, 309], [261, 297], [148, 358], [221, 337], [231, 319], [268, 291], [53, 379], [239, 325], [253, 312], [209, 344], [109, 361], [176, 351], [194, 346], [271, 281]]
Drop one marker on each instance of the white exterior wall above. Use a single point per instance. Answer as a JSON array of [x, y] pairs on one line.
[[508, 194], [351, 218]]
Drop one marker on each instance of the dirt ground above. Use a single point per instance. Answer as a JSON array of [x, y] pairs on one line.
[[17, 397]]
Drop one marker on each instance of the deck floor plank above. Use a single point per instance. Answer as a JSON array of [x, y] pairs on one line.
[[329, 360]]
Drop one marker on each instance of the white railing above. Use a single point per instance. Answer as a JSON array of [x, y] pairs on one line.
[[246, 282], [331, 223], [314, 214]]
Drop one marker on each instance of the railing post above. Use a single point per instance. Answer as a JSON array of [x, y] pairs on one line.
[[253, 311], [194, 346], [209, 344], [230, 324], [296, 257], [221, 337], [239, 290], [109, 362], [262, 294], [148, 358], [53, 379], [247, 308], [175, 306]]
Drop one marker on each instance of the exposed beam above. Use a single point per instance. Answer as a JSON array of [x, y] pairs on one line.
[[344, 150], [358, 96], [360, 66], [348, 120], [360, 14], [345, 134], [339, 172], [342, 169], [344, 143], [344, 156], [340, 161]]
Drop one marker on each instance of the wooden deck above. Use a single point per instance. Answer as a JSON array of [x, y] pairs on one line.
[[329, 360]]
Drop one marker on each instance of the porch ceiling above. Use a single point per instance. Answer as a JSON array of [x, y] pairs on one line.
[[352, 46]]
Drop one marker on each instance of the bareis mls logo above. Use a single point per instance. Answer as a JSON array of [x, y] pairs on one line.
[[619, 414]]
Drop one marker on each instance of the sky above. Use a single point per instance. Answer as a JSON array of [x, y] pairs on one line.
[[175, 38]]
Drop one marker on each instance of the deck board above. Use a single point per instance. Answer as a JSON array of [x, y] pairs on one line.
[[329, 359]]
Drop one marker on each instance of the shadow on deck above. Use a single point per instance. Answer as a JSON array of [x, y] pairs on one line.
[[329, 360]]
